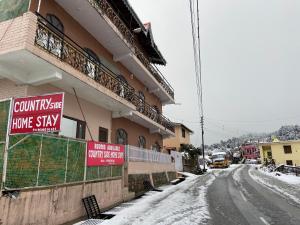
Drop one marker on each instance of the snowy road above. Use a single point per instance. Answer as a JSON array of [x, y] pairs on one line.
[[239, 198], [239, 195], [182, 204]]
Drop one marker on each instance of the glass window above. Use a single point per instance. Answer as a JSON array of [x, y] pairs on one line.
[[287, 149], [122, 86], [73, 128], [289, 162], [156, 147], [103, 134], [183, 132], [142, 142], [55, 22], [121, 137], [141, 105]]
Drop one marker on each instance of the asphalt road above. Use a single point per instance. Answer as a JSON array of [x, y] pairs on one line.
[[235, 198]]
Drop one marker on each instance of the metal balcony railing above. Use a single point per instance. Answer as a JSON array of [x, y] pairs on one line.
[[135, 154], [106, 8], [65, 49]]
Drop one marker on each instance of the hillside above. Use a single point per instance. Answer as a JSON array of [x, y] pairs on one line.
[[289, 132]]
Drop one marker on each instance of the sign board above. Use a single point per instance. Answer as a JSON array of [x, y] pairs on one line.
[[37, 114], [103, 154]]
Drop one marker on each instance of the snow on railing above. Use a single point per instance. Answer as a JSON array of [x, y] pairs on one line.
[[135, 154]]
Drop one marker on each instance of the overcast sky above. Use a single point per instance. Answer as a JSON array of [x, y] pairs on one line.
[[250, 63]]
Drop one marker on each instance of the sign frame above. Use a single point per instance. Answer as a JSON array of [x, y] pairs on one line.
[[31, 96], [101, 161]]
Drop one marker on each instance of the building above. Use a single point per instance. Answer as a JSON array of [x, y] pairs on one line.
[[282, 152], [250, 151], [182, 136], [103, 58]]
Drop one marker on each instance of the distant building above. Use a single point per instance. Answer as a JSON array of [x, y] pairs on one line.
[[283, 152], [250, 151], [182, 136]]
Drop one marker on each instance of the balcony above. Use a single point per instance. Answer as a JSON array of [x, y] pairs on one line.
[[115, 36], [63, 48]]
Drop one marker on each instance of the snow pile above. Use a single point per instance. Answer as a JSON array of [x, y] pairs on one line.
[[277, 184], [237, 174], [288, 178], [182, 204]]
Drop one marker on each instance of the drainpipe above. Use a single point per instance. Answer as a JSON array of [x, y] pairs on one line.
[[39, 6]]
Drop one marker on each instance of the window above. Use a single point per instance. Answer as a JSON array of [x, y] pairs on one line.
[[55, 22], [142, 142], [51, 41], [287, 149], [183, 132], [141, 106], [156, 147], [121, 137], [289, 162], [73, 128], [122, 86], [103, 134], [90, 65]]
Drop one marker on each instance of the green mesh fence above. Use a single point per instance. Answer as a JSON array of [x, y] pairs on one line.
[[4, 112], [44, 160], [76, 156], [1, 159]]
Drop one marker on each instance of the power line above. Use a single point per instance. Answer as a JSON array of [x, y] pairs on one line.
[[197, 62]]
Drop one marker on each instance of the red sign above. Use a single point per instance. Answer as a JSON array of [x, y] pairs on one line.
[[103, 154], [37, 114]]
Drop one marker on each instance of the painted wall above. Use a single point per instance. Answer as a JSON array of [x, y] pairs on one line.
[[174, 142], [95, 115], [134, 130], [78, 34], [278, 153], [57, 205], [12, 8]]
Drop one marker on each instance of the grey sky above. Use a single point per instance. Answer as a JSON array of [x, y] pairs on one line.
[[250, 63]]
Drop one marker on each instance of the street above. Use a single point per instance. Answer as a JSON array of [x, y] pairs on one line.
[[235, 198], [229, 196]]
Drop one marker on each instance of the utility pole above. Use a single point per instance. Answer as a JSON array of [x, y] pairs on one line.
[[202, 136]]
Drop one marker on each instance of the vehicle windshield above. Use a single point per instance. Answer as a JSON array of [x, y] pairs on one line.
[[218, 156]]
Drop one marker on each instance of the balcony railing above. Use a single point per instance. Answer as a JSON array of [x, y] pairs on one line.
[[135, 154], [61, 46], [106, 8]]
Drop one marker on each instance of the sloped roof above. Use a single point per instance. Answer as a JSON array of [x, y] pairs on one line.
[[145, 37], [182, 125]]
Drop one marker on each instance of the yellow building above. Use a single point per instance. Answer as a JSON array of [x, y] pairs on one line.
[[182, 136], [283, 152]]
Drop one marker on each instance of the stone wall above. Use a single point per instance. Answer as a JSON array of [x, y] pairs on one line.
[[135, 182]]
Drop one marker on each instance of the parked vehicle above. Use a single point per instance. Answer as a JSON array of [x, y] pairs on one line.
[[219, 160]]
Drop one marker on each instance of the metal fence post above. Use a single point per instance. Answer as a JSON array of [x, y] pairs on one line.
[[85, 162], [67, 158], [5, 155], [39, 164]]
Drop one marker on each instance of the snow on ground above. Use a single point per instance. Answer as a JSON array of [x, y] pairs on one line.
[[182, 204], [280, 186], [288, 178]]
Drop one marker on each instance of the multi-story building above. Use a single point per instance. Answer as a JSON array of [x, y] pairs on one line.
[[182, 136], [103, 58], [282, 152]]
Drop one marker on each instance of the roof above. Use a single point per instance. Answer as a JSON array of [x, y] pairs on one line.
[[182, 125], [279, 142], [145, 37]]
